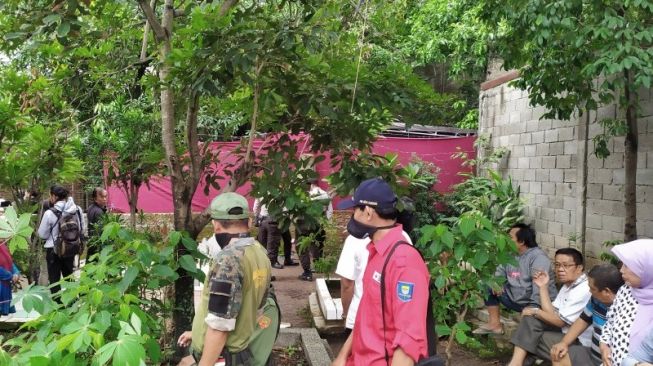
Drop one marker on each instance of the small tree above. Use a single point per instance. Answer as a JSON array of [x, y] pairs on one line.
[[126, 136]]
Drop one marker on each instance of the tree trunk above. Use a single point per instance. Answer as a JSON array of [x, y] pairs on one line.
[[630, 162], [183, 182], [133, 203]]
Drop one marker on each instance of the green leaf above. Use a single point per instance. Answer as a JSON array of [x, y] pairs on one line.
[[174, 238], [129, 351], [187, 262], [128, 278], [164, 271], [63, 29], [461, 337], [52, 18], [459, 251], [136, 323], [448, 239], [105, 353], [443, 330], [467, 225]]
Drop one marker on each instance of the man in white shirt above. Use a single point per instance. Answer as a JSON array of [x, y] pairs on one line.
[[541, 328], [315, 248], [351, 267]]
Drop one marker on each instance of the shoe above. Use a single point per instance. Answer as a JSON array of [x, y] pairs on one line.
[[306, 277], [483, 329], [277, 265], [290, 262]]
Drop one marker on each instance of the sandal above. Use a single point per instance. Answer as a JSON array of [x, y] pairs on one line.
[[483, 329]]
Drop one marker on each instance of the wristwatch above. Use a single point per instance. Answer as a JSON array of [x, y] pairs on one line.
[[537, 311]]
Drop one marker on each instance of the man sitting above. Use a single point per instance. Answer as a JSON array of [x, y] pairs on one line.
[[518, 292], [541, 328], [604, 282]]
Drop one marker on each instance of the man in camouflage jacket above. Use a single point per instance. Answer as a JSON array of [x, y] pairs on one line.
[[237, 317]]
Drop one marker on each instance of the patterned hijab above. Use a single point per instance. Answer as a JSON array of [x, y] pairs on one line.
[[637, 255]]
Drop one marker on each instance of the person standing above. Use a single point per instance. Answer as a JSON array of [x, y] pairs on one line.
[[237, 317], [94, 215], [269, 234], [389, 329], [8, 273], [63, 207], [304, 229]]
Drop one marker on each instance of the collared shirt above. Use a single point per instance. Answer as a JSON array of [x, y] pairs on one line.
[[406, 300], [351, 265], [571, 302]]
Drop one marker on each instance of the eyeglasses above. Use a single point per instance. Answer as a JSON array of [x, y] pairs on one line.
[[565, 266]]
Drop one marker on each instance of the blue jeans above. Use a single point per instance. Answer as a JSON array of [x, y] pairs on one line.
[[494, 300]]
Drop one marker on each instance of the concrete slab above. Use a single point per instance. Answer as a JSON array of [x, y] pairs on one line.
[[331, 307], [316, 350]]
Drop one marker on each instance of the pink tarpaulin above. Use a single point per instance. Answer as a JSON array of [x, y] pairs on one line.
[[158, 197]]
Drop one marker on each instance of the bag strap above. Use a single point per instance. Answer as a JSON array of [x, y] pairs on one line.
[[431, 337], [58, 214]]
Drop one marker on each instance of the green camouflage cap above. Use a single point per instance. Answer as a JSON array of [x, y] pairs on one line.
[[229, 206]]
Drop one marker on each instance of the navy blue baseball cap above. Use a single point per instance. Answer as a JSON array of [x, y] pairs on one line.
[[373, 192]]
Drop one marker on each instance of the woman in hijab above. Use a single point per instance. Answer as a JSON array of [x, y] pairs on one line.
[[631, 314], [8, 273]]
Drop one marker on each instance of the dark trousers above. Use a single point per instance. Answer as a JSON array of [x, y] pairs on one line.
[[270, 236], [504, 299], [287, 245], [314, 249], [58, 267], [536, 337]]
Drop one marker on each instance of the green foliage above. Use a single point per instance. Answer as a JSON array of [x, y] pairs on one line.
[[462, 258], [608, 256], [576, 55], [36, 136], [16, 230], [114, 313], [493, 197]]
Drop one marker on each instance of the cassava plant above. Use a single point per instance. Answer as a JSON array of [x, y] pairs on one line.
[[462, 260], [113, 314]]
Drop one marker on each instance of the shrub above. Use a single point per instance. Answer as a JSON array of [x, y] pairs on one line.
[[114, 312]]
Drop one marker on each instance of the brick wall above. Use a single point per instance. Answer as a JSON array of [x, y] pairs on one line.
[[546, 160]]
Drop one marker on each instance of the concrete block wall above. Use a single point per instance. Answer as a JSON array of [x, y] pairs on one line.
[[546, 160]]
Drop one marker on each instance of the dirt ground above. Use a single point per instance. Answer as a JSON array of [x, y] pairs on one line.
[[292, 294]]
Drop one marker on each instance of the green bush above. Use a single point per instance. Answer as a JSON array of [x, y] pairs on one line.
[[114, 313]]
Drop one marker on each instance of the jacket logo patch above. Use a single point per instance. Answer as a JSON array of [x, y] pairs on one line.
[[405, 291], [264, 322], [376, 277]]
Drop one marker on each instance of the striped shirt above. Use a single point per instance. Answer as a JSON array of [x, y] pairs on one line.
[[595, 314]]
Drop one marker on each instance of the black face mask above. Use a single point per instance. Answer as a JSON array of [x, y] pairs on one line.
[[224, 238], [362, 231]]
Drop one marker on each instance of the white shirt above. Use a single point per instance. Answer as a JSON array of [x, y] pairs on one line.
[[571, 302], [263, 209], [351, 265], [317, 193]]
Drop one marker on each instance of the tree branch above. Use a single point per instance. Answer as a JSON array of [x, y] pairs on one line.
[[227, 5], [159, 32]]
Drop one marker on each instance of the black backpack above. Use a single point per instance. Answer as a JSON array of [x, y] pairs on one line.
[[69, 241]]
